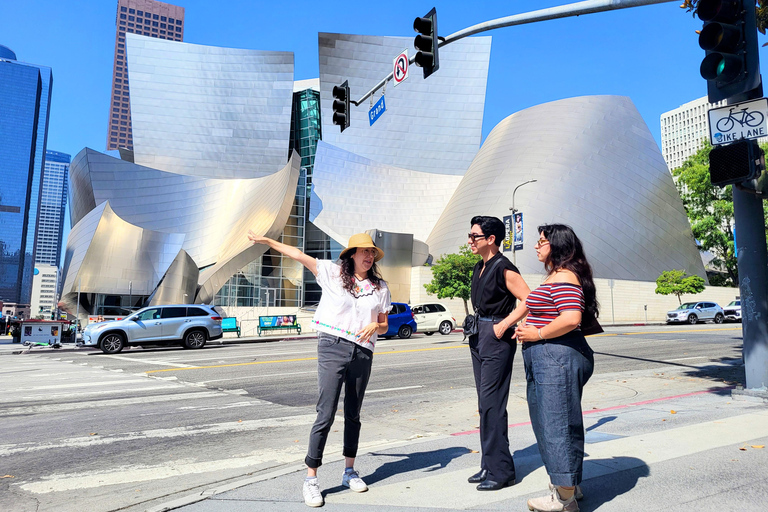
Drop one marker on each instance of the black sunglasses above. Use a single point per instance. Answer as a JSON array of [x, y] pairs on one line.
[[475, 237]]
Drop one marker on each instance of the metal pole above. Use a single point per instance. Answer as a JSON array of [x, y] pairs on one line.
[[130, 296], [514, 251], [77, 313], [553, 13], [753, 285]]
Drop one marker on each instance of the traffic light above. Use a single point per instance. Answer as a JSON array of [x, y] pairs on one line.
[[341, 105], [426, 43], [735, 163], [729, 36]]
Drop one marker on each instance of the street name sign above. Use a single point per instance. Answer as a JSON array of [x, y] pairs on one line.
[[400, 67], [748, 120], [376, 110]]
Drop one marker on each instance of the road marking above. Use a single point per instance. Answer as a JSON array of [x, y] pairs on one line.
[[81, 394], [683, 359], [393, 352], [368, 392], [69, 385], [149, 361], [118, 402], [164, 433]]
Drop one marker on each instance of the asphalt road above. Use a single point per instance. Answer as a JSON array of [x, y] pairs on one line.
[[87, 431]]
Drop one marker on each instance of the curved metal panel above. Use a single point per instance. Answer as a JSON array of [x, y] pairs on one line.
[[266, 214], [599, 170], [201, 208], [209, 111], [432, 125], [392, 199], [106, 254], [179, 283]]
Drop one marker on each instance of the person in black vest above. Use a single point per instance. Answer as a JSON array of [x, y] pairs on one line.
[[496, 285]]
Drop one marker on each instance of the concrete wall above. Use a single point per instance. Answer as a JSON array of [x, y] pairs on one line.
[[621, 302]]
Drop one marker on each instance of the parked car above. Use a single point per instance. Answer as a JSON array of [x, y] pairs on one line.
[[401, 322], [188, 325], [732, 311], [432, 318], [694, 312]]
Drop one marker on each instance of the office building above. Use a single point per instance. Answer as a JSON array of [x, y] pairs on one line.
[[53, 203], [25, 94], [144, 17], [684, 129], [44, 290]]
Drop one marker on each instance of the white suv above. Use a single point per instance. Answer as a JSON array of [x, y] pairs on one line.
[[189, 325], [732, 311], [694, 312], [432, 318]]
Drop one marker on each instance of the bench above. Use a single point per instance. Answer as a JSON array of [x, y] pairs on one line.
[[277, 323], [230, 325]]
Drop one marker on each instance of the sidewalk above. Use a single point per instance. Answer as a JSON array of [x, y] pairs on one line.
[[676, 443]]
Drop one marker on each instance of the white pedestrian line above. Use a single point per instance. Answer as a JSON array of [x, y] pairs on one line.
[[606, 458], [252, 403], [149, 361], [68, 385], [82, 394], [684, 359], [368, 392], [117, 402], [164, 433]]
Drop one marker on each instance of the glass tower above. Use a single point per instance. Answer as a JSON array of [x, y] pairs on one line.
[[274, 280], [50, 226], [25, 94]]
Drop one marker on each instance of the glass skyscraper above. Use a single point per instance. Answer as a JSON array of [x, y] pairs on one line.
[[50, 226], [25, 95]]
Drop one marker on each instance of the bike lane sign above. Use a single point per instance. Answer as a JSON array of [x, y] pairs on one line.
[[748, 120]]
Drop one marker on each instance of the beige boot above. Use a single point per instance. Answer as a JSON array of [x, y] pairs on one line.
[[576, 491], [553, 503]]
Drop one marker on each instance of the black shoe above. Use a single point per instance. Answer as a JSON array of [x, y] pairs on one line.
[[490, 485], [478, 477]]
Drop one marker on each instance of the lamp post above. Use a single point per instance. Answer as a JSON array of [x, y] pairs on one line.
[[130, 297], [514, 252]]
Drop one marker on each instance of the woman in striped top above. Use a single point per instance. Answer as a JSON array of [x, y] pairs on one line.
[[558, 362]]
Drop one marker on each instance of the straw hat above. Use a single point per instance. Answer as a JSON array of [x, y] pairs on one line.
[[363, 241]]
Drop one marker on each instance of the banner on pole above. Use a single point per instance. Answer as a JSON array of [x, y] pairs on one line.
[[518, 231], [506, 245]]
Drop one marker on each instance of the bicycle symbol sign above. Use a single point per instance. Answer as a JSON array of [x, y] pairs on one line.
[[743, 121], [400, 67]]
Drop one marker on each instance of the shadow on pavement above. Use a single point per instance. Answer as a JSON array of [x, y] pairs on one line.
[[603, 489], [409, 462]]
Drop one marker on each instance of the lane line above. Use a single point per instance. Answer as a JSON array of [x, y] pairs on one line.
[[368, 392], [683, 359], [148, 361]]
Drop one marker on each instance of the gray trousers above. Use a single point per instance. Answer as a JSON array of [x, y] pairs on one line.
[[340, 363]]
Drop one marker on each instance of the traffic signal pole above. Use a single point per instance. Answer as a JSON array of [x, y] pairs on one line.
[[552, 13]]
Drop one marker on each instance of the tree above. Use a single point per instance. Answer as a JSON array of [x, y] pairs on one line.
[[452, 276], [677, 282], [710, 212]]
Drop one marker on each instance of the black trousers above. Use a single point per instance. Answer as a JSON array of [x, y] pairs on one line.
[[492, 365]]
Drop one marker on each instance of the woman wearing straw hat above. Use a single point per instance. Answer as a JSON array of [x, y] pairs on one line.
[[352, 313]]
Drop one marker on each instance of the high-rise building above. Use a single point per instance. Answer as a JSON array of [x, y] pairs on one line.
[[50, 225], [144, 17], [684, 129], [44, 290], [25, 95]]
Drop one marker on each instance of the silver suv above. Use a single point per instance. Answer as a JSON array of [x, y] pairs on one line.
[[189, 325], [694, 312]]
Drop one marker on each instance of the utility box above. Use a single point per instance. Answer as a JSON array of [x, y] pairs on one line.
[[41, 331]]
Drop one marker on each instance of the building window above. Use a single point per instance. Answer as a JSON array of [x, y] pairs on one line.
[[163, 18], [155, 16]]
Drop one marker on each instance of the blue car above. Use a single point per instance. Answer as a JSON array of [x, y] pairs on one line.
[[401, 322]]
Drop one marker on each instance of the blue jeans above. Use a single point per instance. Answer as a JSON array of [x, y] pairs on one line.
[[340, 363], [556, 372]]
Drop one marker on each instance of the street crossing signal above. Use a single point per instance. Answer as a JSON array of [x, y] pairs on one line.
[[341, 105], [729, 36], [735, 163], [426, 43]]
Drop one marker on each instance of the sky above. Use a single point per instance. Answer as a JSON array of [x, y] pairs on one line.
[[649, 54]]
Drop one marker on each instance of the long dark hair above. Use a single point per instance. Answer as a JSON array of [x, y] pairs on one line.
[[348, 273], [566, 251]]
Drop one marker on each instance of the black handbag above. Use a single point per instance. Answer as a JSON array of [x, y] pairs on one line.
[[589, 324], [470, 326]]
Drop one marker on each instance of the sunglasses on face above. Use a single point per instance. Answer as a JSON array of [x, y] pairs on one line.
[[475, 236], [541, 242]]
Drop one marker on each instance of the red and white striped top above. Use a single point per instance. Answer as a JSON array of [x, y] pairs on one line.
[[546, 302]]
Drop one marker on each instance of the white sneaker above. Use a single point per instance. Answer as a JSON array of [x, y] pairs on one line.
[[352, 480], [312, 495]]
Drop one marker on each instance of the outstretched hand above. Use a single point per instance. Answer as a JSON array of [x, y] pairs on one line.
[[256, 239]]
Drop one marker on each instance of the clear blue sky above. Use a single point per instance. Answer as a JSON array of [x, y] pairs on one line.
[[650, 54]]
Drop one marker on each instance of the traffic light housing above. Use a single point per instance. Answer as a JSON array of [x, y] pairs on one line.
[[341, 105], [729, 37], [735, 163], [426, 43]]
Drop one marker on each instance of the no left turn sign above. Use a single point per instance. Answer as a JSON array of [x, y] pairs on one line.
[[400, 67]]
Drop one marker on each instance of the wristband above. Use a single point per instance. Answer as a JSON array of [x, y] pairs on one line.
[[540, 336]]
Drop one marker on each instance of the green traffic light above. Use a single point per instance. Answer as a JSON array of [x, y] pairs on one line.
[[721, 67]]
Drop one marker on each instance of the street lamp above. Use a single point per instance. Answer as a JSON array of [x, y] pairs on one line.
[[514, 252]]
